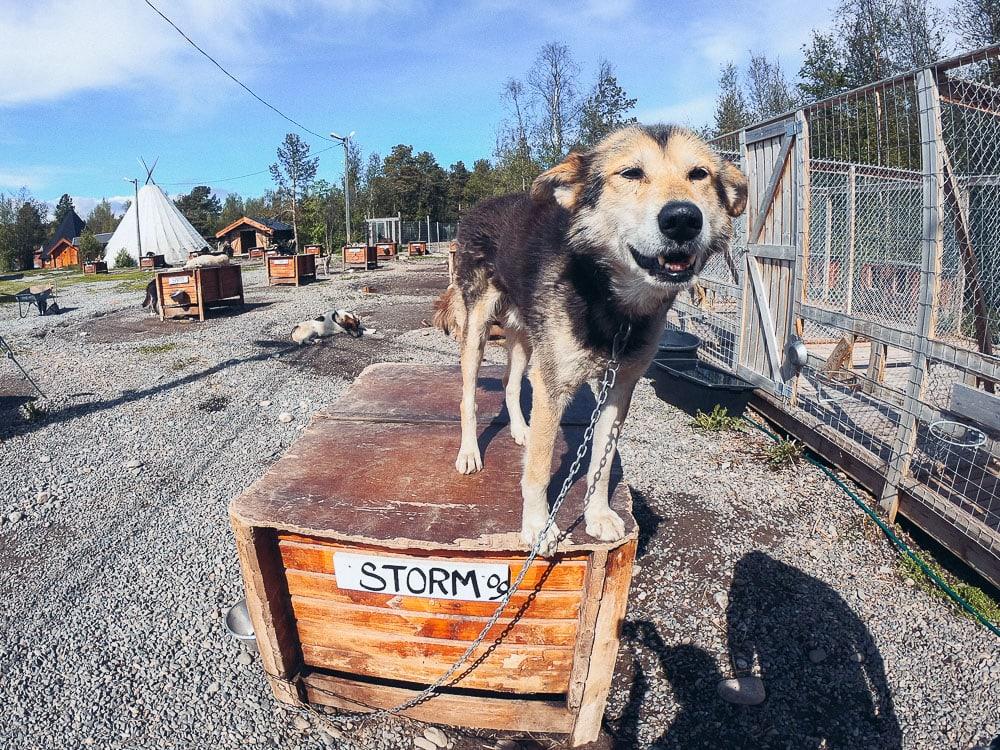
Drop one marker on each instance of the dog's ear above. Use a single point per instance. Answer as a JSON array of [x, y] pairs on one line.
[[564, 182], [731, 184]]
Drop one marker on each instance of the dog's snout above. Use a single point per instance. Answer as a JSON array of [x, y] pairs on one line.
[[680, 220]]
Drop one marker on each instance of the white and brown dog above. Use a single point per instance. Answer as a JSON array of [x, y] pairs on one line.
[[329, 324]]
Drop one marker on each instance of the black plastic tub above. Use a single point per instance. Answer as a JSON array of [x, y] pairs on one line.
[[676, 344], [692, 386]]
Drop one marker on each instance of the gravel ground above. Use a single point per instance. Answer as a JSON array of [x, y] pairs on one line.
[[116, 560]]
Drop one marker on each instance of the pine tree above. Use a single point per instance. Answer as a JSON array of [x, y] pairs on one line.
[[90, 248], [63, 206], [769, 92], [822, 73], [201, 208], [293, 174], [102, 218], [731, 112], [24, 237], [605, 108]]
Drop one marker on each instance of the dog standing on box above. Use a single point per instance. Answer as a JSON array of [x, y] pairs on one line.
[[597, 251]]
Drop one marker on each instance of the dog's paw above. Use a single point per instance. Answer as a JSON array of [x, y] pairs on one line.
[[519, 432], [530, 530], [605, 525], [469, 461]]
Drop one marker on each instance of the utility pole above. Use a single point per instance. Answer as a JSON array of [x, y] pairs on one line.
[[138, 236], [345, 141]]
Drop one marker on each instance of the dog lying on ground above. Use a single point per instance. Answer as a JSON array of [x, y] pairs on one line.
[[597, 251], [329, 324], [206, 260]]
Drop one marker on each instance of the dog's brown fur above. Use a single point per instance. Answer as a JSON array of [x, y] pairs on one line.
[[592, 256]]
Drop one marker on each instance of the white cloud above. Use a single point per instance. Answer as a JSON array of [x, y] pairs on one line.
[[54, 48], [692, 113], [85, 204]]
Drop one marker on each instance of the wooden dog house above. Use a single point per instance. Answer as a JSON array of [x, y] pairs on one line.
[[385, 250], [365, 581], [92, 267], [360, 256], [416, 248], [290, 269], [248, 232], [152, 262], [191, 292]]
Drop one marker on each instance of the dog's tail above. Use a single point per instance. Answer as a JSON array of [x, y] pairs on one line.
[[449, 312]]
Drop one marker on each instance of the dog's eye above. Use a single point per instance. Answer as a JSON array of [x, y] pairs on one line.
[[698, 173], [632, 173]]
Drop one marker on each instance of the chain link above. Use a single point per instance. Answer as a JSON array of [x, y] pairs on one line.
[[607, 383]]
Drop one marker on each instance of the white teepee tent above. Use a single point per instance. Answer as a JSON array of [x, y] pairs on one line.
[[163, 228]]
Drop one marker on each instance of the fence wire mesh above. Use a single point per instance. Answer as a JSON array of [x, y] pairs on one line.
[[899, 262]]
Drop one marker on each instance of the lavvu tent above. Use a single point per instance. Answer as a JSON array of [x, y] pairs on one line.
[[162, 227]]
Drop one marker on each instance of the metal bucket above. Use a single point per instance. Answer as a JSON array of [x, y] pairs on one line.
[[238, 623]]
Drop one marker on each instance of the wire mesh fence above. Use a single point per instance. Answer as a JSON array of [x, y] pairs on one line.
[[897, 288]]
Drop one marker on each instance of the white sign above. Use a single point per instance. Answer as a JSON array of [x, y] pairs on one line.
[[178, 279], [280, 262], [433, 579]]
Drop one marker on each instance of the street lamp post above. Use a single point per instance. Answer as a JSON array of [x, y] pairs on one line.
[[138, 236], [345, 141]]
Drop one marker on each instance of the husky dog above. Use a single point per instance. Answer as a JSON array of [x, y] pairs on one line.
[[205, 260], [597, 251], [152, 301], [328, 324]]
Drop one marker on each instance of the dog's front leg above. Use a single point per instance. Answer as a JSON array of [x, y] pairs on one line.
[[546, 413], [517, 362], [602, 522], [469, 459]]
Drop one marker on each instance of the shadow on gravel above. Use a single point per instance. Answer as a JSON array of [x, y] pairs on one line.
[[824, 679]]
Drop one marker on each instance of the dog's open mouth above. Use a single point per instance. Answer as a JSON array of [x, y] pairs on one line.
[[674, 266]]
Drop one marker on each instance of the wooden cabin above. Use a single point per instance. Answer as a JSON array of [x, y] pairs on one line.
[[60, 251], [246, 233]]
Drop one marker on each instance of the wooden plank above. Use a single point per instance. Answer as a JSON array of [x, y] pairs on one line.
[[322, 621], [767, 132], [614, 602], [564, 576], [980, 407], [267, 600], [594, 586], [545, 604], [773, 252], [507, 669], [509, 714], [768, 198], [767, 322]]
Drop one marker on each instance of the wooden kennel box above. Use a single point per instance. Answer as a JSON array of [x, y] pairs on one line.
[[290, 269], [416, 248], [313, 250], [360, 256], [207, 287], [92, 267], [366, 580], [257, 252], [385, 250], [152, 262]]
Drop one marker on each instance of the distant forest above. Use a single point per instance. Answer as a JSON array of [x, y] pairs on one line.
[[552, 109]]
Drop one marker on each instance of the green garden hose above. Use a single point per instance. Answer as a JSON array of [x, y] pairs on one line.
[[900, 544]]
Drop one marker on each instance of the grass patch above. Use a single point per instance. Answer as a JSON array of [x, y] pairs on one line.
[[717, 421], [62, 278], [783, 454], [157, 348], [181, 364], [974, 595]]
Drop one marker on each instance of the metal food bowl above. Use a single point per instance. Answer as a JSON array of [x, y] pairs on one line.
[[954, 439], [238, 623]]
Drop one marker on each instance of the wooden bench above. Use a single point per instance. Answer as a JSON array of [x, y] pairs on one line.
[[366, 579]]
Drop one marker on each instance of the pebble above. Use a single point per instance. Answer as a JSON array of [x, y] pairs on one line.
[[742, 664], [42, 497], [721, 599], [265, 403], [285, 417], [133, 464], [744, 691], [245, 659], [301, 723], [44, 459], [817, 655], [910, 582], [424, 744], [212, 688], [436, 736], [15, 516]]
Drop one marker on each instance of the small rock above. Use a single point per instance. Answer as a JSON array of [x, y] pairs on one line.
[[424, 744], [133, 464], [858, 658], [245, 659], [744, 691], [333, 731], [15, 516], [42, 497], [264, 403], [721, 598], [303, 405], [910, 582], [301, 723], [44, 459], [817, 655], [436, 736], [641, 596], [213, 688], [285, 417]]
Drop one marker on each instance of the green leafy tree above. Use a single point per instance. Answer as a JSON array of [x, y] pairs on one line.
[[90, 247], [23, 235], [768, 91], [977, 22], [731, 111], [458, 176], [102, 218], [63, 206], [402, 179], [232, 209], [516, 165], [202, 209], [124, 260], [822, 74], [293, 174], [606, 107], [481, 183]]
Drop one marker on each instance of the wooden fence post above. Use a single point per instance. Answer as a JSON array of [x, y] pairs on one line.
[[932, 248], [739, 357], [852, 180], [803, 199]]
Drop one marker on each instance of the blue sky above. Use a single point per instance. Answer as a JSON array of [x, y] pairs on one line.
[[87, 87]]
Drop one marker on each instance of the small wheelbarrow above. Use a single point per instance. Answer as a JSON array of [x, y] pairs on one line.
[[42, 298]]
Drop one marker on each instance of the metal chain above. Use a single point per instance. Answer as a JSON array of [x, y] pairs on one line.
[[607, 383]]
